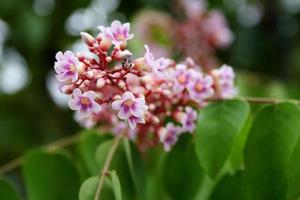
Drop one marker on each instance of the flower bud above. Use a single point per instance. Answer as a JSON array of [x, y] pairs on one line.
[[139, 64], [87, 38], [89, 74], [105, 44], [123, 54], [100, 83]]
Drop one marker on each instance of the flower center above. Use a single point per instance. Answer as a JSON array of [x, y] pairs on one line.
[[121, 37], [198, 87], [129, 102], [72, 68], [182, 79], [85, 101]]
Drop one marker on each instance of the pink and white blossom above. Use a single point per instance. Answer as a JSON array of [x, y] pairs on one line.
[[66, 66], [188, 120], [130, 108], [200, 87], [118, 33], [225, 81], [181, 77], [169, 135], [84, 103], [157, 65]]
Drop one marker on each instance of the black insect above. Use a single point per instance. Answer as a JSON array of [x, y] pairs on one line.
[[127, 62]]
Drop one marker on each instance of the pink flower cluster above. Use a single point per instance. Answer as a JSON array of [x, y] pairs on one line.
[[137, 96]]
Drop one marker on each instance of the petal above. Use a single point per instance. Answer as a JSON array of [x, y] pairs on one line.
[[74, 104], [127, 95], [130, 36], [95, 108], [116, 105], [115, 24], [132, 122], [124, 114], [59, 56], [90, 94], [77, 93], [75, 77], [102, 29]]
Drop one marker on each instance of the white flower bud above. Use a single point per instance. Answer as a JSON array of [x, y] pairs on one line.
[[87, 38]]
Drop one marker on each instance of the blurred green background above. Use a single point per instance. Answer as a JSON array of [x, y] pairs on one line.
[[265, 52]]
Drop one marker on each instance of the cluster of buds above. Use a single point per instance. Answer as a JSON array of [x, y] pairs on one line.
[[151, 100], [198, 34]]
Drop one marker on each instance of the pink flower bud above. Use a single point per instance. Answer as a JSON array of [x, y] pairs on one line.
[[87, 38]]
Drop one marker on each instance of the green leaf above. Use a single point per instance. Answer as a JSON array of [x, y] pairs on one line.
[[236, 158], [136, 167], [294, 174], [87, 147], [116, 185], [50, 176], [119, 164], [230, 187], [270, 144], [88, 189], [218, 125], [182, 173], [7, 192]]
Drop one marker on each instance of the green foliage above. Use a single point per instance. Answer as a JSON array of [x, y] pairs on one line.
[[136, 167], [232, 155], [119, 164], [87, 146], [88, 189], [7, 192], [230, 187], [294, 174], [50, 176], [218, 125], [116, 185], [271, 141], [181, 163]]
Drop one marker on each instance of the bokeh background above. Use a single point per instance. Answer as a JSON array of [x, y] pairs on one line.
[[265, 52]]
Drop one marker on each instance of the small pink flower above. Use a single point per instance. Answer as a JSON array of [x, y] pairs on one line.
[[225, 81], [216, 27], [181, 77], [169, 135], [157, 66], [200, 87], [118, 33], [66, 66], [188, 120], [85, 121], [130, 108], [84, 103]]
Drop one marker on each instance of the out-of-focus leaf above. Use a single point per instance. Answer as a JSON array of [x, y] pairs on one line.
[[88, 189], [116, 185], [136, 167], [182, 173], [119, 164], [50, 176], [218, 125], [87, 147], [7, 192], [294, 174], [269, 147], [230, 187]]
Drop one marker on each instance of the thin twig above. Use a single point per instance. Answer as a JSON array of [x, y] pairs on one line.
[[106, 166], [51, 147], [258, 100], [58, 144]]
